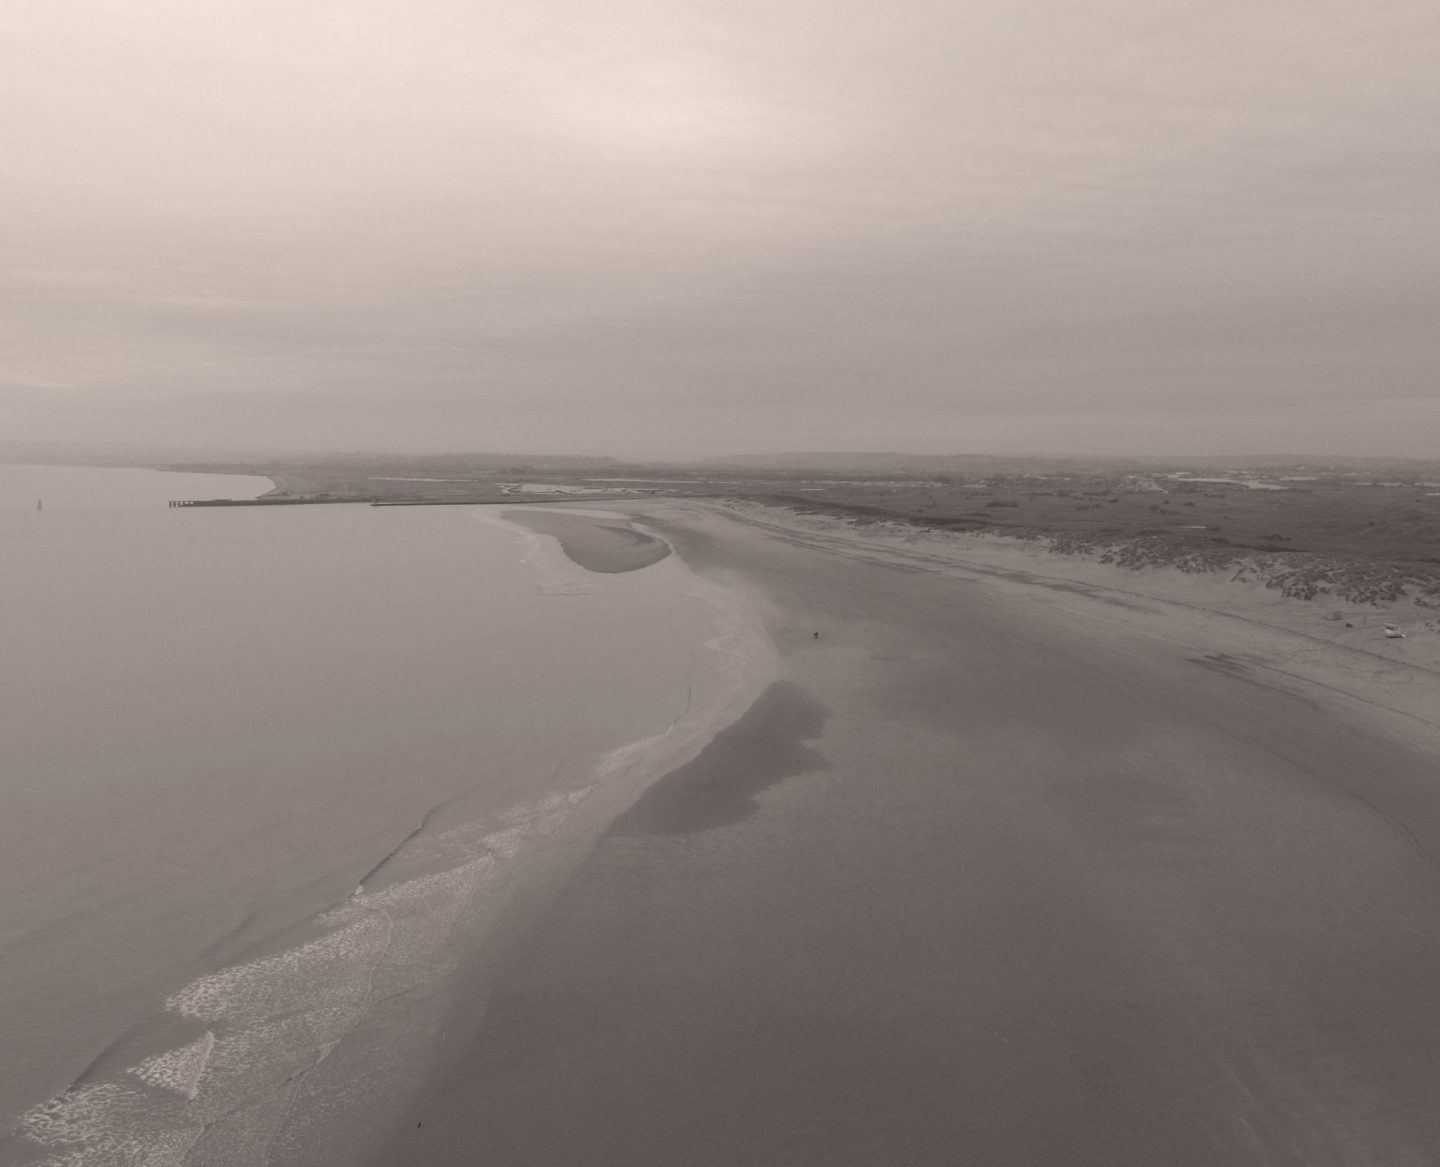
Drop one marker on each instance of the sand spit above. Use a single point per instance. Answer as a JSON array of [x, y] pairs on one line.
[[1009, 868], [597, 543]]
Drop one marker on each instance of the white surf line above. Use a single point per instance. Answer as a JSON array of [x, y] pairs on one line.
[[179, 1069], [325, 1051], [408, 902]]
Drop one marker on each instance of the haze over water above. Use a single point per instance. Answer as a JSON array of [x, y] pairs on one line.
[[219, 722]]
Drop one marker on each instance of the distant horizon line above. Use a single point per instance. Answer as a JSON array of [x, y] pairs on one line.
[[152, 451]]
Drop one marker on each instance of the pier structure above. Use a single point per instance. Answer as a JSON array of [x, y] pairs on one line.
[[488, 500], [258, 502]]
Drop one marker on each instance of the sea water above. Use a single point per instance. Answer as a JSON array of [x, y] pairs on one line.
[[279, 783]]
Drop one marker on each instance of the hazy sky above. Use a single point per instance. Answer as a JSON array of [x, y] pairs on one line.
[[702, 226]]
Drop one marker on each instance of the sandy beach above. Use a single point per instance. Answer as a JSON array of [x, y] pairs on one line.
[[1003, 870], [720, 584]]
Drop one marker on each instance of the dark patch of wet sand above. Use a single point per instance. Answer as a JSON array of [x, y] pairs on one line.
[[720, 786], [597, 544]]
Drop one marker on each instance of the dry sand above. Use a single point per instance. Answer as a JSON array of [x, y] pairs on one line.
[[1012, 867], [1323, 648]]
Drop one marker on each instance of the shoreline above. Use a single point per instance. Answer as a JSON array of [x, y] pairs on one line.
[[744, 668], [378, 985]]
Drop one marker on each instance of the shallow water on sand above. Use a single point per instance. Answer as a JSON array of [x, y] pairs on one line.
[[274, 775]]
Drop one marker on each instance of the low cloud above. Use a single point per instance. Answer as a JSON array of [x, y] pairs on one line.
[[657, 230]]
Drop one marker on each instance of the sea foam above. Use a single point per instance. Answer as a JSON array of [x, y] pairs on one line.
[[178, 1069], [226, 1097], [112, 1124]]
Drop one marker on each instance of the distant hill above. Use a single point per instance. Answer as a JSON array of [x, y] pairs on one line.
[[862, 463], [470, 463], [146, 454], [127, 454], [875, 462], [1341, 463], [839, 462]]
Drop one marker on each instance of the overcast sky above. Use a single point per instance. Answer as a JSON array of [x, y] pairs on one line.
[[671, 227]]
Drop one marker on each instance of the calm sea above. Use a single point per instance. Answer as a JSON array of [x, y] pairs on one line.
[[278, 784]]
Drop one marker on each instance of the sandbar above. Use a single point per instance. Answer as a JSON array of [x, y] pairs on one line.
[[596, 543]]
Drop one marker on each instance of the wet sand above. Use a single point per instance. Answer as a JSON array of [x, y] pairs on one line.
[[608, 546], [996, 874]]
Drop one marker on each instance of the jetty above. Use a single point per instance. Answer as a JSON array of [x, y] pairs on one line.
[[260, 502], [501, 500], [516, 499]]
